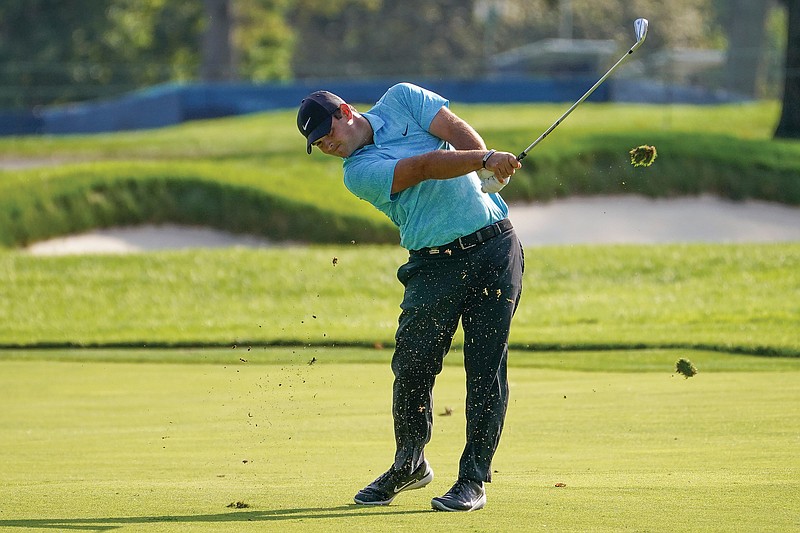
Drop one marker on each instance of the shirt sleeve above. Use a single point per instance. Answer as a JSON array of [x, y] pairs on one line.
[[420, 104], [370, 178]]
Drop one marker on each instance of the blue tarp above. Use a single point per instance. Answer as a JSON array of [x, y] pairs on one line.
[[169, 104]]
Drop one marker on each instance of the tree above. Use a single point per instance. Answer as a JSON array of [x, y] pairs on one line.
[[56, 51], [46, 51], [219, 62], [263, 39], [344, 38], [245, 39], [745, 25], [674, 24], [153, 41], [789, 124]]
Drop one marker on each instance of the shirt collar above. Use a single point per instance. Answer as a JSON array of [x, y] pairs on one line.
[[377, 124]]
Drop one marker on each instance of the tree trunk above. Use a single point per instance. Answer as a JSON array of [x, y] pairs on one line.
[[746, 27], [217, 62], [789, 125]]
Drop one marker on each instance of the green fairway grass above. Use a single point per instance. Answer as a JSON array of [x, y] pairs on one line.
[[88, 444]]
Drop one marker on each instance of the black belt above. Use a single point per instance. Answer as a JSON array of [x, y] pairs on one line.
[[468, 241]]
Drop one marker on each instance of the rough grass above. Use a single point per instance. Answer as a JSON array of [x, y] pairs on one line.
[[93, 446], [722, 297]]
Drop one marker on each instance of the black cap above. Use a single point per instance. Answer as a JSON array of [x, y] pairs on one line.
[[315, 115]]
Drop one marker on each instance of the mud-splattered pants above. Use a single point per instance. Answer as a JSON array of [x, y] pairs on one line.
[[481, 286]]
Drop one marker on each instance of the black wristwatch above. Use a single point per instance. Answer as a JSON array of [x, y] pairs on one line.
[[487, 156]]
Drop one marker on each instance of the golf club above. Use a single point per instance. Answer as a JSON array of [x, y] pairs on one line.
[[640, 27]]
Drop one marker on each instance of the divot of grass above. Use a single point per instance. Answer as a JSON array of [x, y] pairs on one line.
[[238, 505]]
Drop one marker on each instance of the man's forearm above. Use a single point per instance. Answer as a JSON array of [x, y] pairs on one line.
[[446, 164], [438, 165]]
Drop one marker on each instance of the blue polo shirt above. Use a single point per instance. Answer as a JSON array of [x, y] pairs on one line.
[[433, 212]]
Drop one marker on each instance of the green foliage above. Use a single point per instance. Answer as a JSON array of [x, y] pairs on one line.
[[789, 124], [263, 40], [91, 48], [48, 50], [58, 52], [689, 23], [343, 41], [458, 37]]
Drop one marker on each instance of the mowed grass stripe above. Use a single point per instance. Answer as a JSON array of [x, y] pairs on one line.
[[631, 360]]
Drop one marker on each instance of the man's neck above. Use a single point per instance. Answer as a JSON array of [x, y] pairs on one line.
[[367, 132]]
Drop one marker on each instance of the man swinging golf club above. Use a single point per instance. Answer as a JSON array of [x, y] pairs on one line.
[[416, 161]]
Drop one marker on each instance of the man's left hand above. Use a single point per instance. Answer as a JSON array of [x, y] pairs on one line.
[[489, 182], [498, 171]]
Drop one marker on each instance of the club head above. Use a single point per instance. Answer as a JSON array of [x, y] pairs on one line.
[[640, 27]]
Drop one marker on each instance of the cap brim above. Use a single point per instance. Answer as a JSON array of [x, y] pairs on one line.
[[319, 132]]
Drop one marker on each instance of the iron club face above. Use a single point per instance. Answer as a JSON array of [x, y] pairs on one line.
[[640, 27]]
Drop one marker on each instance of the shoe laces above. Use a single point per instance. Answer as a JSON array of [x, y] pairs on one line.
[[390, 477], [464, 487], [386, 476]]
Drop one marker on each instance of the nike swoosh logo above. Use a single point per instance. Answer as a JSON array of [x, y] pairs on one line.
[[305, 126], [404, 486], [405, 132]]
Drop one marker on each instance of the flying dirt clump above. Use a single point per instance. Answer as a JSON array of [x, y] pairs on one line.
[[685, 368], [643, 156]]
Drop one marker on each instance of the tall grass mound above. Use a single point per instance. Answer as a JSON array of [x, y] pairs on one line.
[[47, 202], [687, 165], [251, 175]]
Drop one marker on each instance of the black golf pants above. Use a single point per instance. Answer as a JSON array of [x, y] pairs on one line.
[[481, 287]]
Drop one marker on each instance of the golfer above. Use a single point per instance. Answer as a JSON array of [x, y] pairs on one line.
[[416, 161]]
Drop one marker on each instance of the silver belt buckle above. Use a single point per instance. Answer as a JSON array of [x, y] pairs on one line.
[[465, 246]]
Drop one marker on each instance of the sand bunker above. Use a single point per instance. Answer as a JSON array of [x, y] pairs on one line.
[[595, 220]]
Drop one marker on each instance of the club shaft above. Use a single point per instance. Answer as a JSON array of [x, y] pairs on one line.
[[524, 153]]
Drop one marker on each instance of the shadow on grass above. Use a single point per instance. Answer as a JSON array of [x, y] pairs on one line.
[[110, 523]]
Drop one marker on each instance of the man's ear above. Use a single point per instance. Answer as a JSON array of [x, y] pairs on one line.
[[346, 110]]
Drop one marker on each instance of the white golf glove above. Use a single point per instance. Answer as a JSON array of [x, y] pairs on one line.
[[489, 182]]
